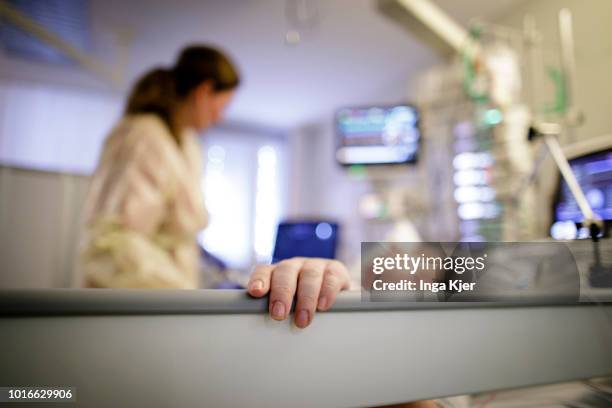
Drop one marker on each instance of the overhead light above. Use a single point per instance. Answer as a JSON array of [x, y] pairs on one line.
[[292, 37]]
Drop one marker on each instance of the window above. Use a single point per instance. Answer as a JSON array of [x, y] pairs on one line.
[[69, 19], [267, 203], [244, 190]]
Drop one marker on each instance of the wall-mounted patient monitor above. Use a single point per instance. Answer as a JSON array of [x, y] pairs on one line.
[[377, 135]]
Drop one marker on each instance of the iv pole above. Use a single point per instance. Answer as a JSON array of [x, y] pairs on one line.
[[551, 131], [600, 275]]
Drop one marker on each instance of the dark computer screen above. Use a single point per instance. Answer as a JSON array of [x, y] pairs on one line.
[[316, 239], [377, 135]]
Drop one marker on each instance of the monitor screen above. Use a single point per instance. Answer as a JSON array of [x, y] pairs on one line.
[[317, 239], [377, 135], [594, 174]]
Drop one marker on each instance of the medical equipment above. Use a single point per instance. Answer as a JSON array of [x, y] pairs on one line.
[[377, 135], [591, 162]]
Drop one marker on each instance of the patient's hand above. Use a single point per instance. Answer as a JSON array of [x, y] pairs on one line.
[[316, 281]]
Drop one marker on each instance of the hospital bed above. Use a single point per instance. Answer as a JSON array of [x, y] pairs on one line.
[[218, 348]]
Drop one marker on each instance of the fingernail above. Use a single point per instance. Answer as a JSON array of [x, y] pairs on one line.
[[278, 310], [257, 285], [322, 303], [302, 319]]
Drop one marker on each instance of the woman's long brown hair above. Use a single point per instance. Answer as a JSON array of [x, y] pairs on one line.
[[161, 90]]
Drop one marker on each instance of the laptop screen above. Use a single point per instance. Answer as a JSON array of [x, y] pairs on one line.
[[316, 239]]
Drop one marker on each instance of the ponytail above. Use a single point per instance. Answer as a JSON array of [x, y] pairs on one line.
[[155, 92]]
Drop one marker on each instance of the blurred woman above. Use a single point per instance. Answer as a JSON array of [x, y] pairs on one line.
[[145, 206]]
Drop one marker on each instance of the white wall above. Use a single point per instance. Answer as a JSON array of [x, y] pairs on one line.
[[320, 188], [39, 227], [54, 127]]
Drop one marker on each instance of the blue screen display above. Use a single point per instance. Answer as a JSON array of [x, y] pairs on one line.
[[307, 239], [594, 174]]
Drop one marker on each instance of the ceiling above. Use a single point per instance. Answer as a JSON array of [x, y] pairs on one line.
[[350, 54]]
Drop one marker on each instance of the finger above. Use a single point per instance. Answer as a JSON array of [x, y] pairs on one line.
[[309, 286], [259, 282], [282, 287], [335, 279]]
